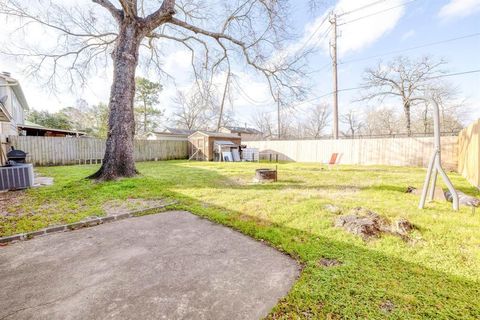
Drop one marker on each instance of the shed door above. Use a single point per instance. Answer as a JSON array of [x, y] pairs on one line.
[[201, 149]]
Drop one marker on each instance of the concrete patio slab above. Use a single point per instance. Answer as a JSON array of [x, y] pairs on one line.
[[172, 265]]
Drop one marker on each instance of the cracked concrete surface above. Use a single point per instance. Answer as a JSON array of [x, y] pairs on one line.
[[172, 265]]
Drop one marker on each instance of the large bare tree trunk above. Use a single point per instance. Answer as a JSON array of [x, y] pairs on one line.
[[408, 121], [119, 153]]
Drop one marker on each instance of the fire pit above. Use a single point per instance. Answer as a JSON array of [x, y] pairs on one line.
[[266, 175]]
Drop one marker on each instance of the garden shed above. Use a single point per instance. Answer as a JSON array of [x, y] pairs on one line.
[[205, 145]]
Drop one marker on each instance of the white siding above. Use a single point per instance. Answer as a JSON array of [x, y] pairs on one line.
[[15, 109]]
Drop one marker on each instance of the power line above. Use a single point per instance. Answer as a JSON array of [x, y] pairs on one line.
[[428, 78], [412, 48], [246, 96], [375, 13], [361, 8], [322, 67], [313, 33], [366, 87], [454, 74], [325, 34]]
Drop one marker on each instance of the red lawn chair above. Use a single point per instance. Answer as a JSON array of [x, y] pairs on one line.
[[333, 160]]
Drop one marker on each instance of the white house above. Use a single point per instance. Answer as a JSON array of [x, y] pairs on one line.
[[12, 105], [244, 132], [12, 110]]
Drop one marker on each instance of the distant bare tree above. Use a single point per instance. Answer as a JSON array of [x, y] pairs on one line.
[[189, 111], [201, 109], [134, 31], [317, 120], [422, 120], [354, 124], [453, 111], [290, 127], [405, 79], [381, 121], [264, 122]]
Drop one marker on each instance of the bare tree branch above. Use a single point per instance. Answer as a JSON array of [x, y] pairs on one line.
[[402, 78], [116, 13]]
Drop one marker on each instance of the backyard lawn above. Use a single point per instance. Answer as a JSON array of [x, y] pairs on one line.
[[434, 275]]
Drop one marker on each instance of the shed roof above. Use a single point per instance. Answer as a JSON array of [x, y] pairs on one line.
[[217, 134], [179, 131], [243, 130]]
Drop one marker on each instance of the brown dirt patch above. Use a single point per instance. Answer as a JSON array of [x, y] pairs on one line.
[[258, 221], [329, 262], [114, 207], [9, 200], [387, 306]]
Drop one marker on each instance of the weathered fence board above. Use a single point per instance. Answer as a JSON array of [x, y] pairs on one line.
[[49, 151], [388, 151], [469, 153]]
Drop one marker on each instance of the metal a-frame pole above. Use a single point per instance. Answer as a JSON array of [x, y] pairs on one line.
[[435, 165]]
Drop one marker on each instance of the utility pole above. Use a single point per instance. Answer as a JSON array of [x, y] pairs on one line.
[[220, 116], [278, 115], [333, 54]]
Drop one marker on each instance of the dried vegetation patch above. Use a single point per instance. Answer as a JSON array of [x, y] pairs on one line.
[[114, 207]]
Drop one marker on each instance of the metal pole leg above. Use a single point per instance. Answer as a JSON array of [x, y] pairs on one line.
[[433, 184], [449, 185], [427, 181]]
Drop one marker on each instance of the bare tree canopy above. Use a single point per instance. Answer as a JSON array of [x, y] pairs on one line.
[[317, 120], [134, 32], [381, 121], [404, 79], [189, 111], [353, 122], [265, 123]]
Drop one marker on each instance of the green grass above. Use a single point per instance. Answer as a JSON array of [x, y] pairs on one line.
[[435, 276]]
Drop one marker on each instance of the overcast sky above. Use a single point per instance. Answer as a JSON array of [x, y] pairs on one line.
[[383, 27]]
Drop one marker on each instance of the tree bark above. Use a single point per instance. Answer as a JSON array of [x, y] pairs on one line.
[[406, 110], [119, 158]]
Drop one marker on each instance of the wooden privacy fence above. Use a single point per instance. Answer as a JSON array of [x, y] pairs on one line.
[[51, 151], [388, 151], [469, 153]]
